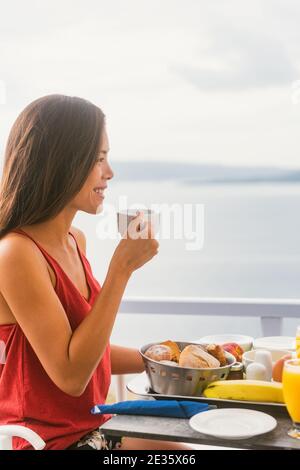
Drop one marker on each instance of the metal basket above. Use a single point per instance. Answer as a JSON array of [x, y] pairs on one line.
[[174, 380]]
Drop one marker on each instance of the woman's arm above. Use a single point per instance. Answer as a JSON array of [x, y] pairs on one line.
[[126, 360], [123, 360], [69, 357]]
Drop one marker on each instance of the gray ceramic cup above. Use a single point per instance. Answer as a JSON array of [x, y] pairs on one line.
[[125, 217]]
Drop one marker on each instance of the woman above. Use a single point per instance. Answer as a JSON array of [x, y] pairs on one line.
[[55, 319]]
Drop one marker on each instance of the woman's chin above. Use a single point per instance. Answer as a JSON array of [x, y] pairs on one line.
[[99, 209], [94, 210]]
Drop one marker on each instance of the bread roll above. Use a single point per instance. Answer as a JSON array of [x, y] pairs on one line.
[[169, 363], [159, 352], [218, 352], [195, 357], [174, 348]]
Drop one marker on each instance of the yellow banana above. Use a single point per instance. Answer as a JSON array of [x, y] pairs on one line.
[[249, 390]]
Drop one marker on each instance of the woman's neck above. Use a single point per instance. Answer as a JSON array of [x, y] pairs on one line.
[[54, 232]]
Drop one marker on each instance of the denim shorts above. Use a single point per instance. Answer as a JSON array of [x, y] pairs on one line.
[[96, 440]]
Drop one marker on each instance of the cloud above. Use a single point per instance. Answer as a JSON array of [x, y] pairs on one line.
[[240, 60], [137, 60]]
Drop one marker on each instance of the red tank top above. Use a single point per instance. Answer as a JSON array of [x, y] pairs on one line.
[[28, 396]]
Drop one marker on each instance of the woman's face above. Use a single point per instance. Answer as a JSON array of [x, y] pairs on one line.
[[90, 197]]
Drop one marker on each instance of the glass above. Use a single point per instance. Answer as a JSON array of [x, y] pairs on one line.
[[291, 393], [298, 343]]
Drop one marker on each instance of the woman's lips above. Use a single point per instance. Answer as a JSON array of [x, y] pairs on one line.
[[99, 195], [99, 192]]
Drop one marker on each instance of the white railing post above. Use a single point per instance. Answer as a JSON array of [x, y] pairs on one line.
[[120, 388]]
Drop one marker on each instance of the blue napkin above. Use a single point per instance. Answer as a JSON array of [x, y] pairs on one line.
[[170, 408]]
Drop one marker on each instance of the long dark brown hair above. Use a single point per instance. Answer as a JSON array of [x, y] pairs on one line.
[[50, 151]]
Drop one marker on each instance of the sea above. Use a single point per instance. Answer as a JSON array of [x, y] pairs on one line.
[[246, 244]]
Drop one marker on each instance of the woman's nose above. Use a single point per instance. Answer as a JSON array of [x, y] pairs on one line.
[[110, 174]]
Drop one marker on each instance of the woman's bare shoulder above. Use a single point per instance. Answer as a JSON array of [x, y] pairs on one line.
[[17, 248], [13, 240]]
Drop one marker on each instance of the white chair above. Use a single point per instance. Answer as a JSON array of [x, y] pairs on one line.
[[7, 432]]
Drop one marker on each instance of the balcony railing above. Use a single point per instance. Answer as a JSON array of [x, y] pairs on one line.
[[270, 311]]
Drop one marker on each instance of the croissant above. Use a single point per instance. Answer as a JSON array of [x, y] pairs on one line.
[[174, 348], [218, 352]]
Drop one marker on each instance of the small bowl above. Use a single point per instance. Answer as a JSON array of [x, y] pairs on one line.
[[281, 343], [244, 341], [248, 357]]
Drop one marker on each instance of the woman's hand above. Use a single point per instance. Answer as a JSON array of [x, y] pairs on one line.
[[137, 247]]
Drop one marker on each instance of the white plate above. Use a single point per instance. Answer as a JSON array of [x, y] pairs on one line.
[[287, 343], [233, 423], [244, 341]]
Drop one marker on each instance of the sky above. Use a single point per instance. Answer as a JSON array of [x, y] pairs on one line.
[[179, 80]]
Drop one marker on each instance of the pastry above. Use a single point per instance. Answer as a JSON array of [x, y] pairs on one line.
[[218, 352], [174, 348], [159, 352], [195, 357]]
